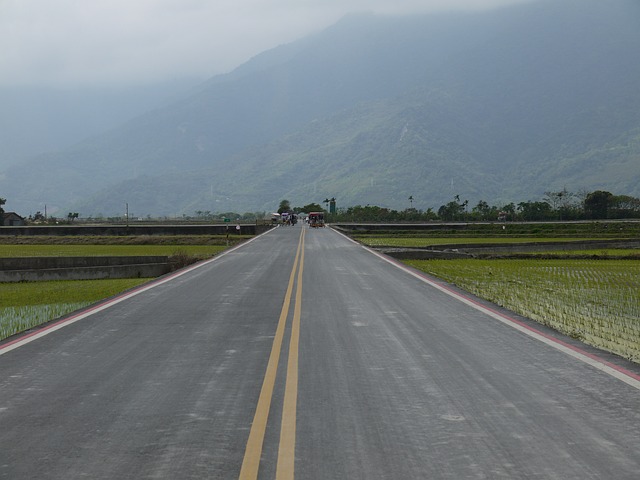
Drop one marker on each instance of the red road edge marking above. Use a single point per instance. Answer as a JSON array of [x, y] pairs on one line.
[[74, 317], [444, 287]]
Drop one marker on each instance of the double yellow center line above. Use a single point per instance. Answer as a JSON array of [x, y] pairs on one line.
[[286, 450]]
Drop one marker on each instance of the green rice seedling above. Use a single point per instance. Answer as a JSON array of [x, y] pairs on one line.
[[25, 305], [18, 319], [595, 301]]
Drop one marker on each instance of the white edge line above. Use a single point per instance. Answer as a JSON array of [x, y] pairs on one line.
[[622, 374], [57, 325]]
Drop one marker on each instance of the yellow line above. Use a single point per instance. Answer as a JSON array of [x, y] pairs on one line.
[[253, 451], [286, 450]]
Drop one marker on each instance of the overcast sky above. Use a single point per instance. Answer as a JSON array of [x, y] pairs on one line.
[[124, 42]]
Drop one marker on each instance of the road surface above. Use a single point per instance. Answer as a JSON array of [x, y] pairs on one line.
[[304, 355]]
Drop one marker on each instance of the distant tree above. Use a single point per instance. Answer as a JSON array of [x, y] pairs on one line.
[[428, 214], [72, 216], [562, 202], [38, 217], [2, 202], [369, 213], [482, 211], [202, 214], [510, 210], [624, 206], [410, 215], [450, 211], [310, 207], [454, 210], [373, 213], [596, 205], [285, 206], [535, 211]]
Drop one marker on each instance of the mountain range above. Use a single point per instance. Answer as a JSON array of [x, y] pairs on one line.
[[500, 105]]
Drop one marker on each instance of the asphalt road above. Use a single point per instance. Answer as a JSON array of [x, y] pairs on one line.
[[303, 355]]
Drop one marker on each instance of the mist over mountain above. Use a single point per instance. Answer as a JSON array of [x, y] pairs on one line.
[[500, 106], [35, 120]]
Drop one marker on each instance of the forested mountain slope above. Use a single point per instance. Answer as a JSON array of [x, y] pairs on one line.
[[500, 105]]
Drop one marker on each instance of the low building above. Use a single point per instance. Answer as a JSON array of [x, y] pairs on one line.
[[12, 219]]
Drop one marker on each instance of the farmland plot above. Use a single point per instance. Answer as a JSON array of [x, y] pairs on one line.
[[25, 305], [597, 302]]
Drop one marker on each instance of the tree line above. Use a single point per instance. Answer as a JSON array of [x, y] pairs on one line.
[[561, 205]]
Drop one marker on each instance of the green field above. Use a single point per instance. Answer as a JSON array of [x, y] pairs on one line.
[[81, 246], [595, 301], [106, 250], [428, 241], [569, 230], [27, 304], [24, 305]]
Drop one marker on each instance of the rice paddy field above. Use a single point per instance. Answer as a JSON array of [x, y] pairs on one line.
[[428, 241], [25, 305], [596, 301], [590, 294], [63, 250], [81, 246]]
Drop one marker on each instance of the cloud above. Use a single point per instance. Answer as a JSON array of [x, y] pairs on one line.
[[71, 42]]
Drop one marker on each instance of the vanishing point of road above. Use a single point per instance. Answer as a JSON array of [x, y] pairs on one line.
[[301, 354]]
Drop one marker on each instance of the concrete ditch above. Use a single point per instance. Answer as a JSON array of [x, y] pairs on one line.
[[512, 250], [82, 268]]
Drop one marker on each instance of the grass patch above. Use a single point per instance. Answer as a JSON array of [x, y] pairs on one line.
[[594, 301], [24, 305]]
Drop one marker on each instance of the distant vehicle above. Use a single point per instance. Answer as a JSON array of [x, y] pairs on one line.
[[316, 219]]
